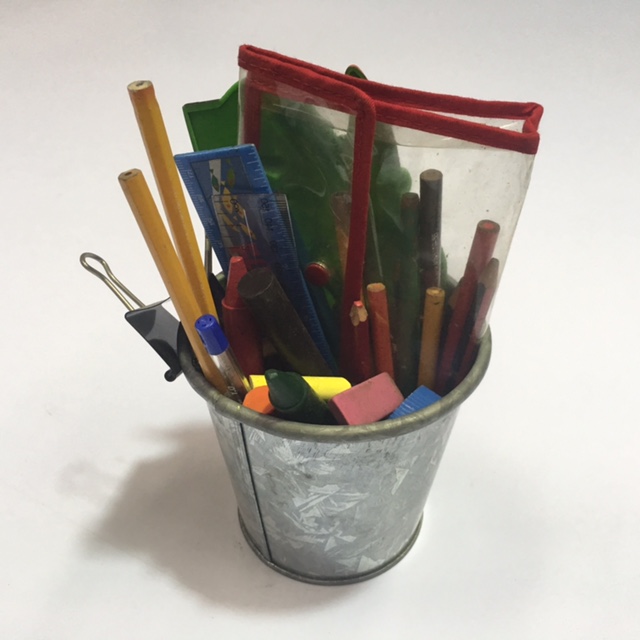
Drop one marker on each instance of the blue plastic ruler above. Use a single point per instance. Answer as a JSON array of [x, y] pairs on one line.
[[242, 216], [229, 170]]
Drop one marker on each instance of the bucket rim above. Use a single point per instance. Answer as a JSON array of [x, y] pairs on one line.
[[333, 433]]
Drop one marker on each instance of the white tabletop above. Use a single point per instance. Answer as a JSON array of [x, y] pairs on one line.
[[117, 519]]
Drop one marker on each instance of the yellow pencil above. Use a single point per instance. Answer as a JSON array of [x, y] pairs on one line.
[[431, 327], [156, 142], [147, 216]]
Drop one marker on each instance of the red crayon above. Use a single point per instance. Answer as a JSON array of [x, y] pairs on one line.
[[484, 242], [239, 325]]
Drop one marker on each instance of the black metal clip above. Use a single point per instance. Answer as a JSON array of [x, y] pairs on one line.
[[153, 322]]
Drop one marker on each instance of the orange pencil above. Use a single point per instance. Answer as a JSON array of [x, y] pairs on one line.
[[156, 142], [362, 365], [147, 216], [431, 329], [379, 308]]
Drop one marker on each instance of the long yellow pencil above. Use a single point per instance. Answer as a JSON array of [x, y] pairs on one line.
[[147, 216], [431, 328], [165, 172]]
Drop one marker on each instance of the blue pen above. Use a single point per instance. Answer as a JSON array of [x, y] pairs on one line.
[[218, 347]]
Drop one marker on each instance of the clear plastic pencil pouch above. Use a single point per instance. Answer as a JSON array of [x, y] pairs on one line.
[[415, 190]]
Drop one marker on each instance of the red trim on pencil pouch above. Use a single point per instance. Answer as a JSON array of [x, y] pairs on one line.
[[422, 110], [369, 102]]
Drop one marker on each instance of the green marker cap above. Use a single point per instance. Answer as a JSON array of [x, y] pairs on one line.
[[287, 390], [294, 399]]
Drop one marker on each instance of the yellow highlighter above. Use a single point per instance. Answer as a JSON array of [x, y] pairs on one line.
[[325, 386]]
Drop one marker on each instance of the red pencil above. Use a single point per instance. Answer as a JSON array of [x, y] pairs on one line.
[[484, 242], [239, 325], [362, 364], [487, 286], [378, 305]]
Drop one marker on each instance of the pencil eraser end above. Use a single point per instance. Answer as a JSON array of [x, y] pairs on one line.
[[370, 401]]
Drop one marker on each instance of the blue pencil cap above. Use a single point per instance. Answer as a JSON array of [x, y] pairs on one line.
[[211, 333]]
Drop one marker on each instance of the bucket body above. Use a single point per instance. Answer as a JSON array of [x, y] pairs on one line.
[[332, 504]]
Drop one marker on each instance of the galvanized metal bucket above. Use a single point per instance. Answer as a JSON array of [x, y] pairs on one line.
[[332, 504]]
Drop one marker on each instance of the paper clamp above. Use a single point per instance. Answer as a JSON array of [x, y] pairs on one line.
[[153, 322]]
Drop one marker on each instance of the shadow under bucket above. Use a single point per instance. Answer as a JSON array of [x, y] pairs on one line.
[[332, 504]]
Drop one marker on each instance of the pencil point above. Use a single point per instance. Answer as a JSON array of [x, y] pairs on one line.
[[358, 313]]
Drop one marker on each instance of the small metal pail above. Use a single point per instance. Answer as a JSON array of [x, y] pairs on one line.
[[332, 504]]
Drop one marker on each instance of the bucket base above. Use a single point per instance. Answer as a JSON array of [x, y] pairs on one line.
[[361, 577]]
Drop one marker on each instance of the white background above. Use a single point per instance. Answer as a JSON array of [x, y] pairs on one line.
[[116, 516]]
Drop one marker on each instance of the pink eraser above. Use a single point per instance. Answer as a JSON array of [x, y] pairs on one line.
[[369, 401]]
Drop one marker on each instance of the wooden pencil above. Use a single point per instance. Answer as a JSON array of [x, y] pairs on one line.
[[487, 285], [156, 142], [430, 224], [430, 343], [484, 242], [362, 366], [147, 216], [407, 305], [381, 334]]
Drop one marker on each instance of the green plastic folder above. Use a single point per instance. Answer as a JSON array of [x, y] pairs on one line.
[[213, 124]]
